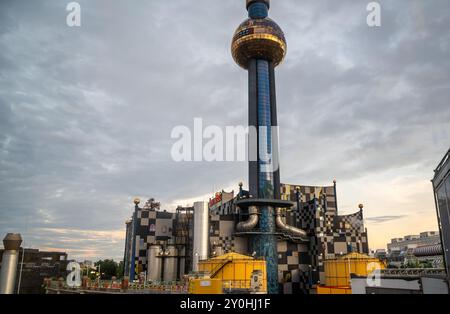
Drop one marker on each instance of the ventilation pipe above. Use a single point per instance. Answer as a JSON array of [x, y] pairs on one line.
[[10, 259], [252, 221], [290, 229], [201, 233]]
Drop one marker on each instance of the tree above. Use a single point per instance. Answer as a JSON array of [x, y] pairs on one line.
[[412, 263], [120, 270], [108, 268]]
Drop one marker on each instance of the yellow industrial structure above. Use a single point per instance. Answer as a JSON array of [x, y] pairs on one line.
[[338, 271], [236, 272], [333, 290]]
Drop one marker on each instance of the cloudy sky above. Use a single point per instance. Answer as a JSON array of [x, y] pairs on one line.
[[86, 112]]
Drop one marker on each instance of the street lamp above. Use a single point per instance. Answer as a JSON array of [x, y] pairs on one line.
[[310, 276], [20, 273]]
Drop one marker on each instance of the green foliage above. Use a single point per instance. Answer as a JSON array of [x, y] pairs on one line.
[[108, 268], [414, 263], [427, 264], [120, 270]]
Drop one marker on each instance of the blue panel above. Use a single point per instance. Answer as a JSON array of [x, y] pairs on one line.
[[265, 177], [258, 10], [265, 244]]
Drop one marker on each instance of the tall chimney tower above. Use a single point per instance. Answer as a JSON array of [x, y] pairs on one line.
[[10, 258]]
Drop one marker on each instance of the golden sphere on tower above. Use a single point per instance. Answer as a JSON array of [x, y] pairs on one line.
[[361, 206], [258, 39], [137, 201]]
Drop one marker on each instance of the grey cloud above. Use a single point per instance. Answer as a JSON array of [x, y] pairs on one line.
[[86, 113], [383, 219]]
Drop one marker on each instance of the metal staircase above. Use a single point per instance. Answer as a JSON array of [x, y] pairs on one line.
[[219, 267]]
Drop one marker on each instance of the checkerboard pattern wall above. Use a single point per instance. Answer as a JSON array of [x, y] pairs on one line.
[[221, 234], [151, 227], [330, 234], [300, 265]]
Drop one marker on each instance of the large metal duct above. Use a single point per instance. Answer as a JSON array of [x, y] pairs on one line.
[[252, 221], [154, 263], [10, 258], [201, 233], [428, 250], [296, 232], [170, 264]]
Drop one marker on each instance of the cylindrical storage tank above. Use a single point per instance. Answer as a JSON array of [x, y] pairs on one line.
[[170, 264], [235, 270], [201, 233], [338, 270], [154, 263], [10, 259]]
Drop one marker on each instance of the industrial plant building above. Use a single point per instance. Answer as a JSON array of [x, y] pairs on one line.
[[23, 270], [151, 233], [441, 186], [293, 228], [300, 256], [170, 245]]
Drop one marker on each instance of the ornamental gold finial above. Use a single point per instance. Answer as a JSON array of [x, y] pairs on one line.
[[258, 37]]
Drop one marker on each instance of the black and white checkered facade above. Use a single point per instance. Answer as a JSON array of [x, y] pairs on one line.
[[153, 227], [300, 264]]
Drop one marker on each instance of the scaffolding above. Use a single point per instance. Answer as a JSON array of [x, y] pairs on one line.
[[183, 236]]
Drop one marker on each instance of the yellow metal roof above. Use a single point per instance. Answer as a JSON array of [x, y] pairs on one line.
[[233, 255], [355, 255]]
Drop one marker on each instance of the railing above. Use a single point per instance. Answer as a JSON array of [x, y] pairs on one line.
[[221, 265], [443, 161], [108, 286], [412, 272], [240, 287], [277, 233], [229, 285]]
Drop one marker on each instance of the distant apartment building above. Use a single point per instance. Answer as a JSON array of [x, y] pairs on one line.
[[415, 249], [413, 241], [381, 254]]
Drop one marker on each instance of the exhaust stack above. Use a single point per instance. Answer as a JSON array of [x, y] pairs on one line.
[[201, 233], [12, 243]]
